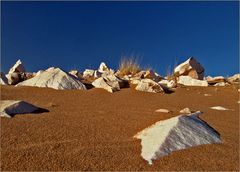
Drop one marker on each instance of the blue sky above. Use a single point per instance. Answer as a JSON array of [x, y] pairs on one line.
[[82, 34]]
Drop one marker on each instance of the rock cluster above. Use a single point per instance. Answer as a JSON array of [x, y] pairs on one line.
[[188, 73]]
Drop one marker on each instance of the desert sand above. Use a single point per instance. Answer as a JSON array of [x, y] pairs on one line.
[[93, 129]]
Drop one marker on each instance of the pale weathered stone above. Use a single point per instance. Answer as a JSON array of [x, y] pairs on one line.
[[149, 85], [220, 84], [102, 83], [12, 107], [191, 68], [177, 133], [162, 110], [171, 84], [88, 73], [54, 78], [17, 68], [185, 111], [3, 79], [234, 78], [103, 68], [214, 80], [188, 81], [13, 78]]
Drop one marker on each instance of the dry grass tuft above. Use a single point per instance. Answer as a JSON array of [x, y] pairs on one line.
[[129, 65]]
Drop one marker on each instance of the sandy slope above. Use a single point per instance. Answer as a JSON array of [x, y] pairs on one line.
[[93, 129]]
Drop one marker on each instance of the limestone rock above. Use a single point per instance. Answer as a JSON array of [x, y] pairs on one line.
[[234, 78], [149, 85], [103, 68], [188, 81], [12, 107], [88, 73], [214, 80], [162, 110], [104, 84], [185, 111], [190, 68], [171, 84], [54, 78], [17, 68], [13, 78], [180, 132], [3, 79], [219, 108], [220, 84]]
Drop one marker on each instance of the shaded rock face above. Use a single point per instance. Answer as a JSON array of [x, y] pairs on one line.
[[54, 78], [17, 68], [149, 85], [180, 132], [110, 86], [14, 78], [12, 107], [189, 81], [190, 68], [109, 82], [3, 79]]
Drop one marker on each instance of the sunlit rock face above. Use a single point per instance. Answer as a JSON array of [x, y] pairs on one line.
[[54, 78], [180, 132]]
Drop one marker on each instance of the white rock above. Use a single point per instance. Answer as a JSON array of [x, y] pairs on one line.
[[54, 78], [190, 67], [18, 68], [13, 78], [171, 84], [12, 107], [102, 83], [174, 134], [185, 111], [88, 73], [219, 108], [188, 81], [151, 75], [162, 110], [74, 73], [220, 84], [164, 81], [149, 85], [3, 79], [103, 68], [234, 78], [207, 95], [214, 80]]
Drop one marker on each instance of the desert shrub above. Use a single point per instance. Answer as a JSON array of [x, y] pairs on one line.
[[129, 65]]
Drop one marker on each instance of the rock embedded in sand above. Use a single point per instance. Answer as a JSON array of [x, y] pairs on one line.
[[162, 110], [188, 81], [12, 107], [220, 84], [190, 68], [104, 84], [185, 111], [180, 132], [54, 78], [214, 80], [219, 108], [149, 85]]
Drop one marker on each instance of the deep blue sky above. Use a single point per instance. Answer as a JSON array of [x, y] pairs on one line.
[[82, 34]]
